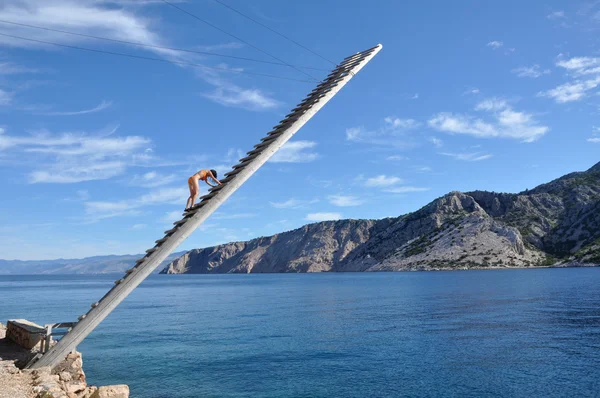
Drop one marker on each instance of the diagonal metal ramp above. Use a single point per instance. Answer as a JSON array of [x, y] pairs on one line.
[[192, 219]]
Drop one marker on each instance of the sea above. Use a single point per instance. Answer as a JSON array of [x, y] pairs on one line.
[[486, 333]]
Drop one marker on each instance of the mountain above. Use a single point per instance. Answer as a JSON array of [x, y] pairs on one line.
[[557, 223], [89, 265]]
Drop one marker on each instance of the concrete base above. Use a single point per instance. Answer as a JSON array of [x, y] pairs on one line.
[[24, 333]]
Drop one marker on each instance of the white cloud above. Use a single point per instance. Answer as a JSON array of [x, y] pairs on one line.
[[436, 142], [98, 210], [152, 179], [233, 216], [293, 203], [495, 44], [574, 91], [76, 157], [398, 123], [323, 216], [472, 91], [295, 152], [530, 71], [92, 17], [5, 97], [382, 181], [505, 122], [138, 226], [556, 15], [345, 201], [397, 157], [118, 20], [594, 140], [586, 78], [469, 157], [102, 106], [406, 189], [7, 68], [234, 96], [393, 132]]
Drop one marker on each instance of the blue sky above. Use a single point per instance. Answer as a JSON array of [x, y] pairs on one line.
[[95, 149]]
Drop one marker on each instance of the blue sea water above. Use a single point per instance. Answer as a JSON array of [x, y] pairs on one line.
[[505, 333]]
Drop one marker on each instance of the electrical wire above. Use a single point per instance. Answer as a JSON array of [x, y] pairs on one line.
[[153, 59], [237, 38], [273, 30], [152, 46]]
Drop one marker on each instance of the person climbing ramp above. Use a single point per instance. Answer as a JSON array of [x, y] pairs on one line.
[[193, 184]]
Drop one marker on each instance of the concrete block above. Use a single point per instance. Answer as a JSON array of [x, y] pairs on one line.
[[24, 333]]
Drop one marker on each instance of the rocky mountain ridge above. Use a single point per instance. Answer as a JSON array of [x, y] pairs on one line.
[[557, 223]]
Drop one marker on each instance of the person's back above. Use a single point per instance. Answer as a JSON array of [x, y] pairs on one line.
[[203, 175]]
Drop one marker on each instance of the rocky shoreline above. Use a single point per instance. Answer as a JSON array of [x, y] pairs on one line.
[[66, 380]]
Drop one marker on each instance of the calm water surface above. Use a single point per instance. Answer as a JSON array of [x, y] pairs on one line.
[[518, 333]]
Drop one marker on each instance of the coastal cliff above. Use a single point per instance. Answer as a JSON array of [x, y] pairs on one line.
[[557, 223]]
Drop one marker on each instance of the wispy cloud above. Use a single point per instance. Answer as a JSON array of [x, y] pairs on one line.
[[152, 179], [495, 44], [530, 71], [393, 132], [504, 122], [396, 157], [585, 73], [99, 210], [382, 181], [406, 189], [5, 97], [76, 157], [323, 216], [234, 96], [293, 203], [556, 15], [8, 68], [137, 227], [295, 152], [233, 216], [224, 46], [345, 200], [594, 140], [102, 106], [469, 157], [436, 142]]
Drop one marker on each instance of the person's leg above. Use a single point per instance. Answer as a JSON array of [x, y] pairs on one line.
[[195, 193], [190, 201]]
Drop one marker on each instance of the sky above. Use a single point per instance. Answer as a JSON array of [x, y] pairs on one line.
[[96, 149]]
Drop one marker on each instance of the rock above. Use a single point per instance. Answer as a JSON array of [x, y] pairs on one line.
[[65, 376], [75, 387], [116, 391], [88, 392]]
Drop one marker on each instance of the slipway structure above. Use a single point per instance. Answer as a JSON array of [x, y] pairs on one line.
[[192, 219]]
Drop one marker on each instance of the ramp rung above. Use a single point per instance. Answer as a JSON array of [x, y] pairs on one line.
[[118, 281], [158, 242], [141, 260], [171, 231], [94, 305], [151, 250], [82, 317], [129, 271], [180, 222]]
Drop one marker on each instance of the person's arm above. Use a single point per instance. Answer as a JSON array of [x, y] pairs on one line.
[[210, 174], [208, 183]]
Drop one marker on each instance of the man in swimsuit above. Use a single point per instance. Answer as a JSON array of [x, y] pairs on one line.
[[203, 175]]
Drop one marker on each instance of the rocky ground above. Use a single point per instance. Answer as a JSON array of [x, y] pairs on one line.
[[66, 380]]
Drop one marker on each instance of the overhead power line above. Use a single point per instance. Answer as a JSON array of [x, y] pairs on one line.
[[237, 38], [273, 30], [153, 59], [152, 46]]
